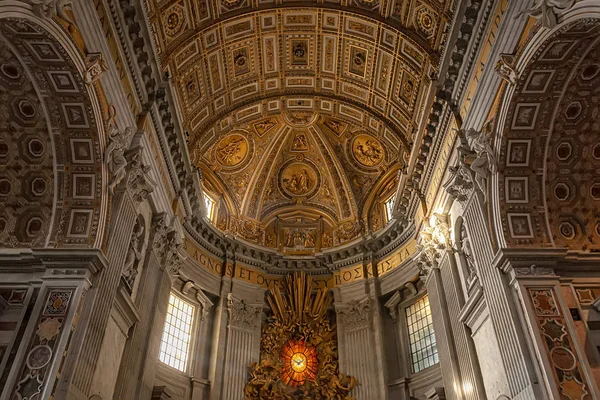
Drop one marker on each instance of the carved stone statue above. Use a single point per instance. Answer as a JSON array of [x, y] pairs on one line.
[[479, 156], [52, 8], [130, 267], [114, 156], [548, 11]]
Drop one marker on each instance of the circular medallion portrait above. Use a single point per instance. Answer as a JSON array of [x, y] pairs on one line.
[[232, 150], [367, 150], [299, 179]]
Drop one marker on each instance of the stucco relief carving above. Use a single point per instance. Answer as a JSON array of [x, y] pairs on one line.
[[355, 315], [505, 68], [167, 244], [548, 11], [435, 239], [242, 315], [534, 270]]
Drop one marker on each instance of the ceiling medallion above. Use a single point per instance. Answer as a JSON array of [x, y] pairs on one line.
[[232, 150], [299, 179], [174, 20], [367, 150]]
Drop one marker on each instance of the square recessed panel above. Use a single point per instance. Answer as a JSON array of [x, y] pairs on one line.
[[520, 225], [45, 51], [84, 186], [525, 116], [558, 50], [516, 189], [82, 151], [518, 153], [63, 81], [75, 115], [538, 81], [80, 223]]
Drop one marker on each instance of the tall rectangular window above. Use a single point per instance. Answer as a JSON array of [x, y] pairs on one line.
[[423, 347], [209, 203], [177, 334], [389, 208]]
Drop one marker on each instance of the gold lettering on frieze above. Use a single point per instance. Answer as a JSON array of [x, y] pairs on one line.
[[484, 56]]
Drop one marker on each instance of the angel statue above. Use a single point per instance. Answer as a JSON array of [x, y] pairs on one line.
[[52, 8], [479, 155], [548, 11], [114, 156]]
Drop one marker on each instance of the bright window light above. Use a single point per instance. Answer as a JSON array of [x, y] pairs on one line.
[[423, 346], [209, 203], [177, 334], [389, 208]]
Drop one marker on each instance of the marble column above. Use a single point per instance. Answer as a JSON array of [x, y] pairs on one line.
[[243, 345], [517, 364]]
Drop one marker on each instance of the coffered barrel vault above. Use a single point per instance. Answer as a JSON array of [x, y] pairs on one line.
[[300, 118]]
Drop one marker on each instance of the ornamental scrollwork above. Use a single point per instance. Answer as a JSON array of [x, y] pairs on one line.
[[243, 315]]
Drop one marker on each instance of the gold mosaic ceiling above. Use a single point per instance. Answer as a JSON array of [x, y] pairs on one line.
[[300, 114]]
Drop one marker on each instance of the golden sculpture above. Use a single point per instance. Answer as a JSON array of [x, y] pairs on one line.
[[232, 150], [299, 327], [367, 150]]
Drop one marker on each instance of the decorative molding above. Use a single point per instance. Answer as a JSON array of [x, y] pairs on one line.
[[460, 183], [392, 304], [139, 184], [95, 67], [205, 303]]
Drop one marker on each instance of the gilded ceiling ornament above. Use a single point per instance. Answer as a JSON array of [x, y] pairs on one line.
[[264, 126], [367, 150], [299, 179], [232, 150], [298, 347]]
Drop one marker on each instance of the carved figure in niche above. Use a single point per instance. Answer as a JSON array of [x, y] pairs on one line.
[[309, 241], [232, 150], [467, 253], [114, 156], [130, 267], [479, 155], [548, 10], [367, 150]]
